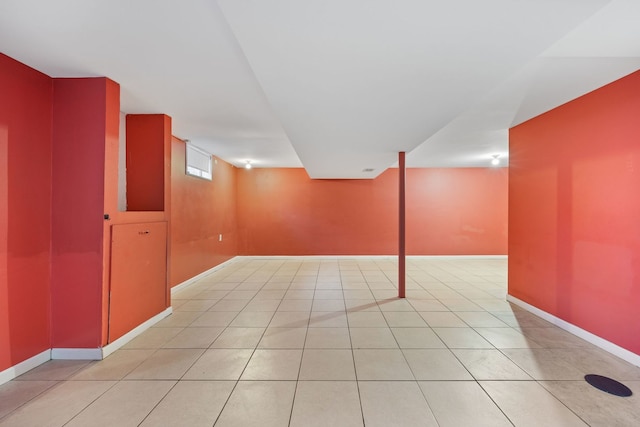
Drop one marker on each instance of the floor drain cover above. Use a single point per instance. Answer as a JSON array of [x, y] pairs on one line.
[[608, 385]]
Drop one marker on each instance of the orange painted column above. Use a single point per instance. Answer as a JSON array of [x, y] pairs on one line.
[[402, 177], [79, 137], [148, 139]]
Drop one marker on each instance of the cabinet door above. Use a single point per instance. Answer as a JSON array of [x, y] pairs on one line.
[[138, 288]]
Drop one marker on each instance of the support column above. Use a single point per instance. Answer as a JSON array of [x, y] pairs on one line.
[[81, 110], [401, 225]]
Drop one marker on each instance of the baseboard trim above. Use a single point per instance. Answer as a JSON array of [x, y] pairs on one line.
[[111, 347], [452, 257], [608, 346], [312, 257], [24, 366], [390, 257], [76, 354], [194, 279], [102, 352]]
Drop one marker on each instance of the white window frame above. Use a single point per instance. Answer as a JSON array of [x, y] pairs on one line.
[[198, 162]]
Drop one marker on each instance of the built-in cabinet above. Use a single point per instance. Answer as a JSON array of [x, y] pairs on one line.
[[138, 275], [136, 240]]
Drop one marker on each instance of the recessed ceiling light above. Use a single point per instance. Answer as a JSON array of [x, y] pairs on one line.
[[248, 165], [496, 160]]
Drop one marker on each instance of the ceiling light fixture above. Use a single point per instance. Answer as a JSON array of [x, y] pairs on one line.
[[248, 165], [496, 160]]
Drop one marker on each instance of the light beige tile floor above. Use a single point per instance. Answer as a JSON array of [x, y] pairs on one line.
[[325, 342]]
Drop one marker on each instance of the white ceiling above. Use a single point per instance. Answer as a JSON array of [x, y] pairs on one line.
[[336, 86]]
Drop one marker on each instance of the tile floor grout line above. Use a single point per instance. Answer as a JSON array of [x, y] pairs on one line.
[[31, 399], [158, 402], [248, 360], [561, 402], [495, 403], [404, 356], [353, 357], [91, 403], [295, 390]]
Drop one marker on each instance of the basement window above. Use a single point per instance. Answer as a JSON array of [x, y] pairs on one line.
[[199, 163]]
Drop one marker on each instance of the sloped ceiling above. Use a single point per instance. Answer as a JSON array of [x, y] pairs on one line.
[[336, 86]]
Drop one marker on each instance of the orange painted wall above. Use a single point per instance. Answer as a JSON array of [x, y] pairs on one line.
[[25, 206], [449, 211], [574, 222], [457, 211], [201, 210]]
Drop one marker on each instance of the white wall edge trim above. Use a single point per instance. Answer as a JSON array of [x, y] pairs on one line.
[[100, 353], [446, 257], [313, 257], [79, 353], [24, 366], [608, 346], [333, 257], [194, 279], [111, 347], [76, 353]]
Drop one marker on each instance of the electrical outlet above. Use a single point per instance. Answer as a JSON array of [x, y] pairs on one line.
[[219, 237]]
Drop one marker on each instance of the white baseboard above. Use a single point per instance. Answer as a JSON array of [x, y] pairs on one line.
[[313, 257], [76, 353], [111, 347], [79, 353], [454, 257], [194, 279], [608, 346], [102, 352], [24, 366], [391, 257]]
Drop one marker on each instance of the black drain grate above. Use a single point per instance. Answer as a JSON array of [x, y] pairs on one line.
[[608, 385]]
